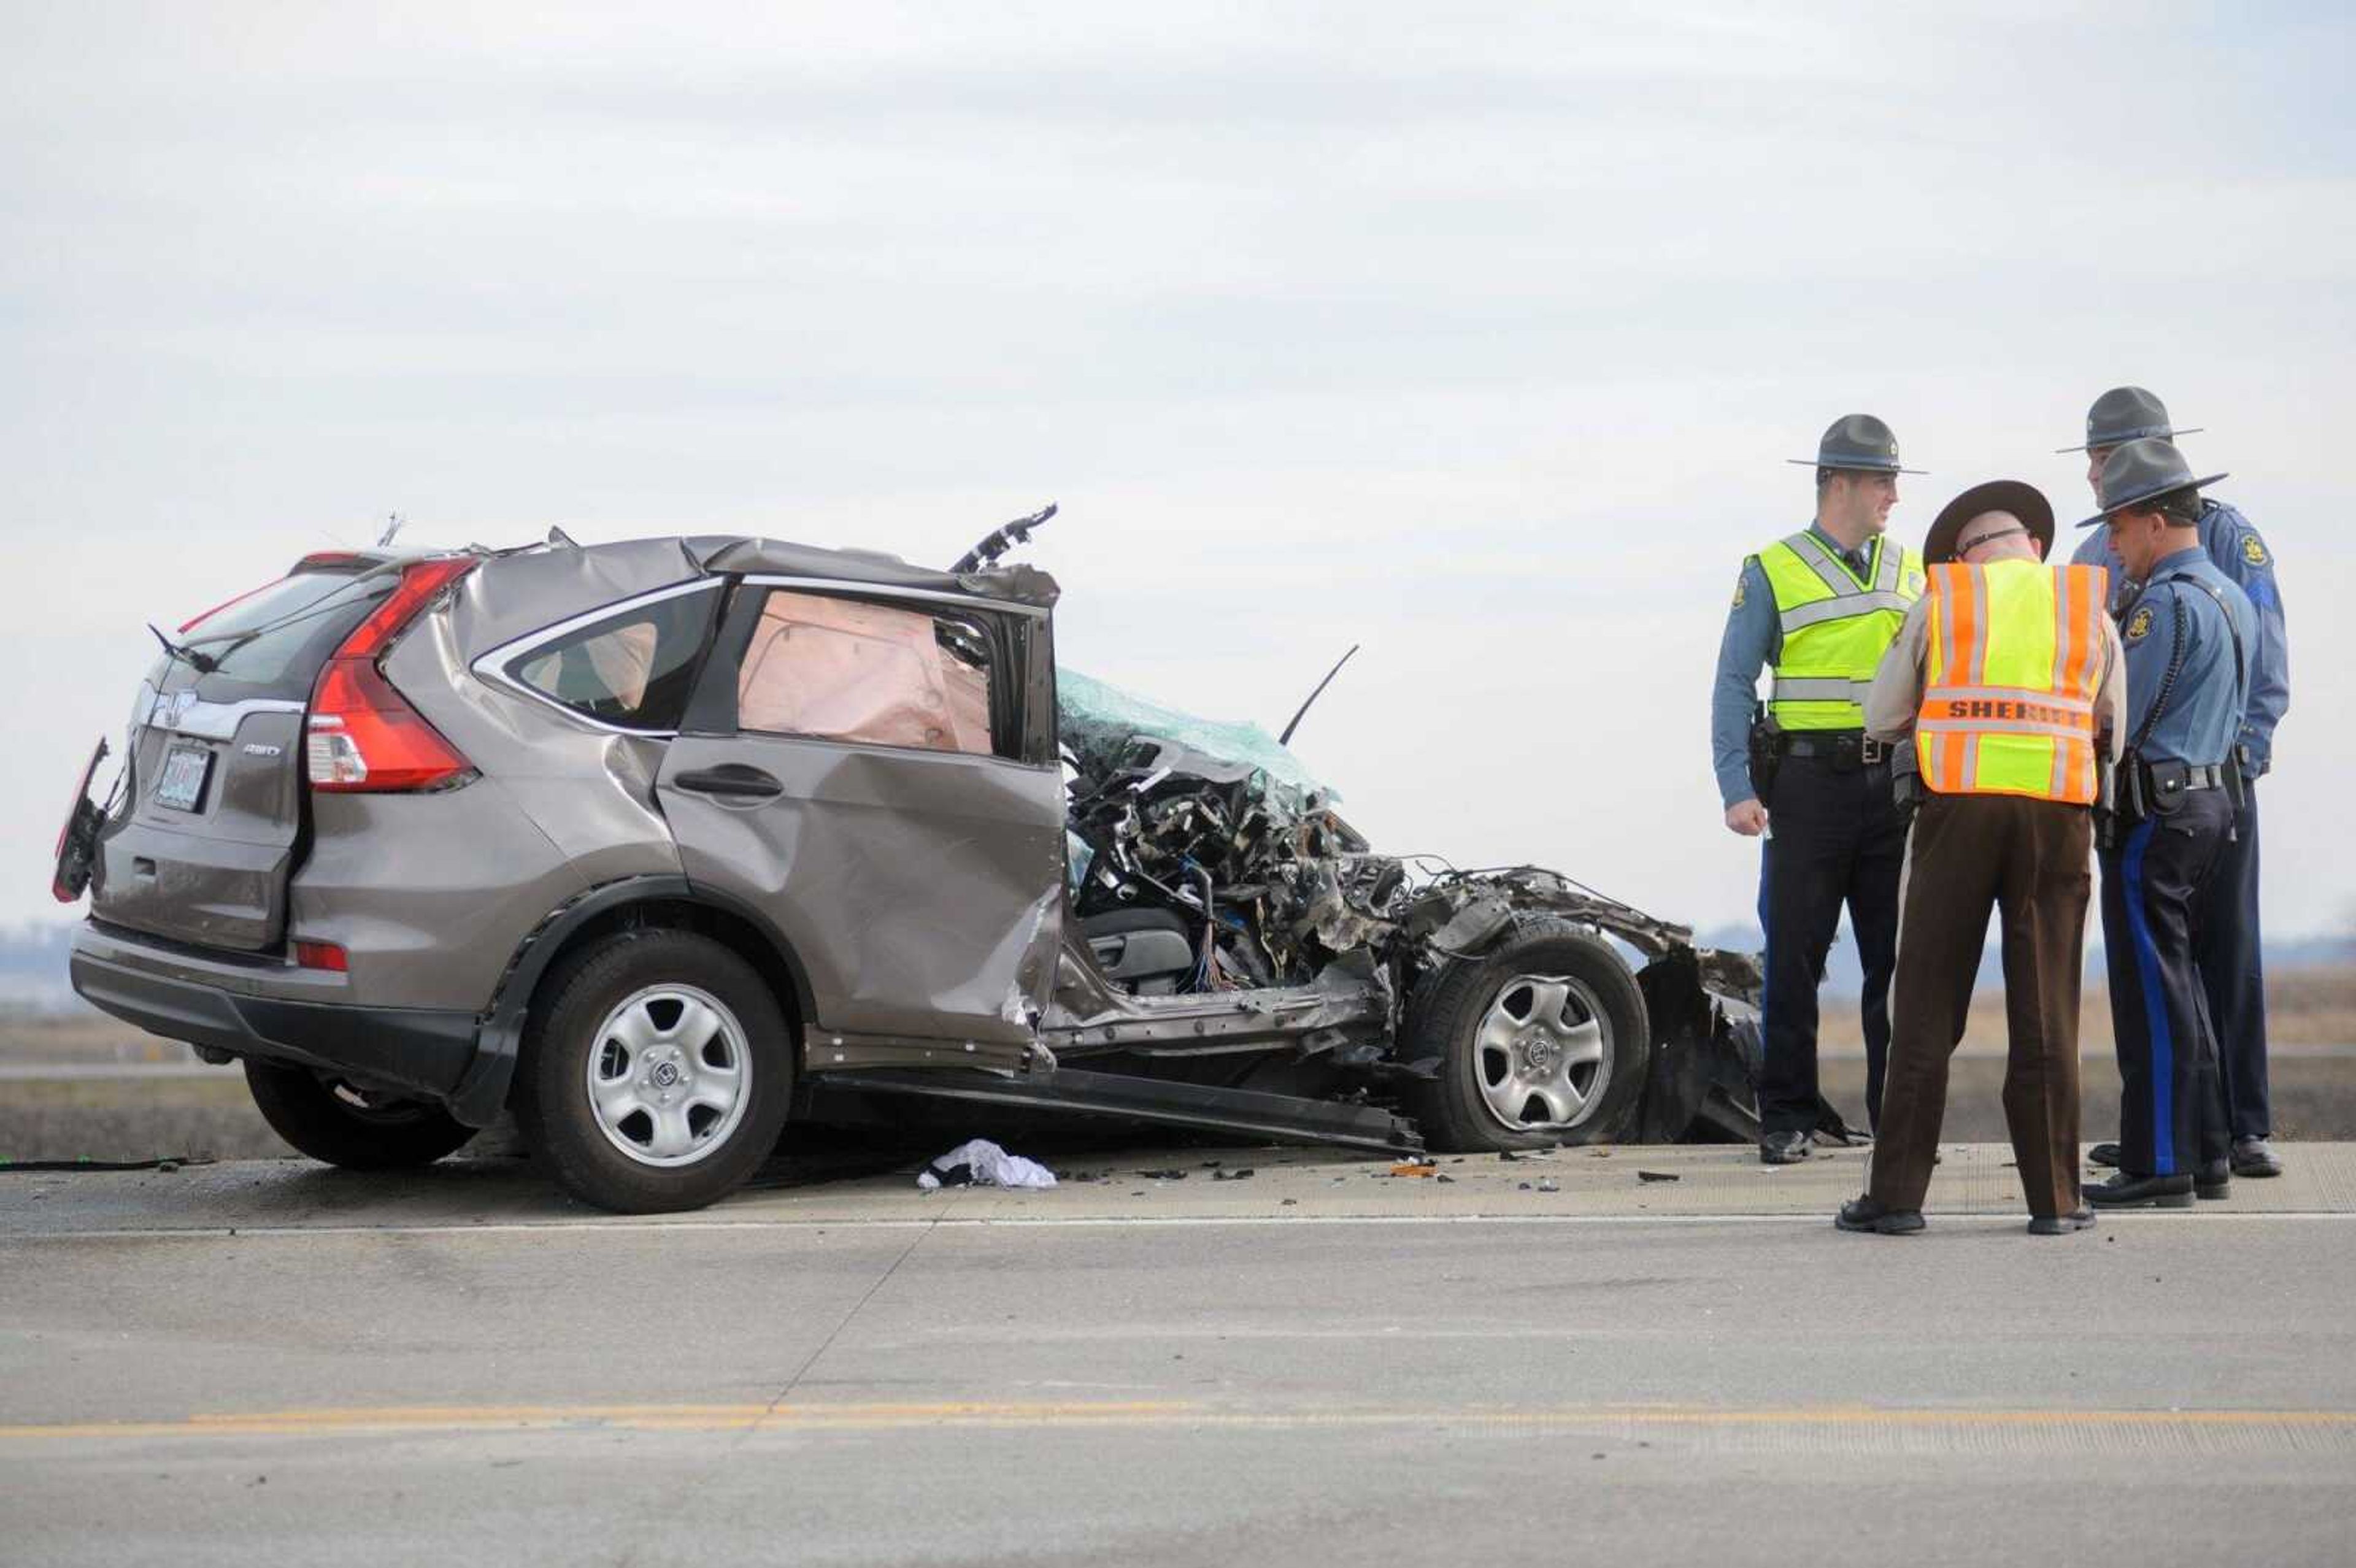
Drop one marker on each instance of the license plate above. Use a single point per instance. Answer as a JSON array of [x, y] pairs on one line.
[[183, 783]]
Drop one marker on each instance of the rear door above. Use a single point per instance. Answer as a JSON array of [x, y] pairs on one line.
[[869, 771], [203, 849]]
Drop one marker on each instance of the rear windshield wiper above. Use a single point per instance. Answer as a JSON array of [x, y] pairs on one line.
[[203, 664]]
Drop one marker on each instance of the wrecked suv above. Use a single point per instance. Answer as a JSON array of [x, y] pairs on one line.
[[665, 845]]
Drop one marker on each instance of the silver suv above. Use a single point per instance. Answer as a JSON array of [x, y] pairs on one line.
[[666, 843]]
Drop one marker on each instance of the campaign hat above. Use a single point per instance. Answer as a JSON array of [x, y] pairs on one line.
[[1860, 443], [2124, 414], [2023, 501], [2142, 471]]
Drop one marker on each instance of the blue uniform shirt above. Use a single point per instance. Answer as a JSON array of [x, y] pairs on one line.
[[2237, 551], [2203, 714], [1753, 640]]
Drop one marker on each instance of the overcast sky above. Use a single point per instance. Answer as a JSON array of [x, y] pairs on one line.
[[1478, 335]]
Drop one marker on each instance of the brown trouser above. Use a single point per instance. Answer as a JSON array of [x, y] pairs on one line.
[[2030, 859]]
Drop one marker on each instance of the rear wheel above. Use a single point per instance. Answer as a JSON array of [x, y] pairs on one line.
[[657, 1072], [1543, 1042], [332, 1121]]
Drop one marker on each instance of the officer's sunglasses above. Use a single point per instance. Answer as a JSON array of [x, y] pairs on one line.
[[1963, 550]]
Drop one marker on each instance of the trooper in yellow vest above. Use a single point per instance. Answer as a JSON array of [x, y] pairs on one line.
[[1819, 608], [2010, 679]]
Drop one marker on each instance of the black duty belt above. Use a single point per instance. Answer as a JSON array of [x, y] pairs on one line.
[[1842, 748], [2183, 776]]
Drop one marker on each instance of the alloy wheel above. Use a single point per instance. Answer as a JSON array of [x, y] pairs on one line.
[[1542, 1056], [670, 1076]]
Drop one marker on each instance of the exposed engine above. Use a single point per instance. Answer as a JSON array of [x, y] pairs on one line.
[[1207, 844]]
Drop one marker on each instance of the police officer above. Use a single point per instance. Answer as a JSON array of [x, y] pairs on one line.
[[2008, 680], [1820, 608], [2225, 938], [2187, 633]]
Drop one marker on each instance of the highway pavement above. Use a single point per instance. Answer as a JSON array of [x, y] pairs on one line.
[[1555, 1359]]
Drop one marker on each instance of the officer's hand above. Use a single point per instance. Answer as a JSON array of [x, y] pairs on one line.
[[1747, 817]]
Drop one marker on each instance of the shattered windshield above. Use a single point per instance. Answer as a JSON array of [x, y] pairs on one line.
[[1098, 721], [1220, 832]]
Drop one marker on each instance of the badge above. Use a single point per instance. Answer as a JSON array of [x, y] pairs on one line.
[[1741, 589], [2139, 625], [2253, 552]]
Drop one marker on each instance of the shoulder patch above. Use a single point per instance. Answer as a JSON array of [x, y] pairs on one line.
[[2253, 551], [1742, 588], [2139, 623]]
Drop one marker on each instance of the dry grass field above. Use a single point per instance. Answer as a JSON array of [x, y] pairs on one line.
[[2306, 1008]]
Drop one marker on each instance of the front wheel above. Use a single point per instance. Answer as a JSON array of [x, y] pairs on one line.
[[332, 1121], [1543, 1042], [656, 1073]]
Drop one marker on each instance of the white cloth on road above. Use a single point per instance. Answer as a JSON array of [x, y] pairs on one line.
[[987, 1165]]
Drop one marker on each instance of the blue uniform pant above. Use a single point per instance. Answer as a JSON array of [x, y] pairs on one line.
[[1833, 838], [2232, 973], [2171, 1101]]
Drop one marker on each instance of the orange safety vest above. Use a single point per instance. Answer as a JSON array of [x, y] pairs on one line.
[[2014, 657]]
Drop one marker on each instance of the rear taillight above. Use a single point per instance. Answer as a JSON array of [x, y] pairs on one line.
[[362, 734]]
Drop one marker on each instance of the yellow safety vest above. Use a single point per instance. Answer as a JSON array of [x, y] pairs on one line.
[[1836, 627], [2012, 659]]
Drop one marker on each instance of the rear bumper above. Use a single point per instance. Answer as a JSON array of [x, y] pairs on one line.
[[170, 993]]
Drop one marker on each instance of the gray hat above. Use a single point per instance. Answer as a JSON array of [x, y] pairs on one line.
[[2141, 471], [1857, 442], [2124, 414]]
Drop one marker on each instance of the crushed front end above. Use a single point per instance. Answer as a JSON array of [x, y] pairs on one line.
[[1238, 933]]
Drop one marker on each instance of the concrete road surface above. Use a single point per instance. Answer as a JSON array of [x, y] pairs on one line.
[[1322, 1362]]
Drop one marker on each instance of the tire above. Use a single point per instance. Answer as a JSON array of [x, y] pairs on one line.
[[329, 1120], [1545, 961], [698, 1067]]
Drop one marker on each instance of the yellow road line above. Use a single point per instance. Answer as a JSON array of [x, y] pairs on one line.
[[815, 1417]]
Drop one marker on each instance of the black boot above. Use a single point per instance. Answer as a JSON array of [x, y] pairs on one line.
[[2126, 1192], [1862, 1214]]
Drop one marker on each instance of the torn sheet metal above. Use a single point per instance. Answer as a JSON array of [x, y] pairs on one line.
[[1209, 844], [857, 568]]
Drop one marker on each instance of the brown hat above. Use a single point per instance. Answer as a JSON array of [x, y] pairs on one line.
[[2023, 501]]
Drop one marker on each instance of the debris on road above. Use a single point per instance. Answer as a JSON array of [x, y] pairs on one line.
[[980, 1162], [1415, 1169], [1658, 1176]]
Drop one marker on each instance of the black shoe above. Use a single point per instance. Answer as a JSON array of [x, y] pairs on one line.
[[1784, 1149], [2061, 1224], [1862, 1214], [2125, 1191], [2255, 1157], [2103, 1154], [2214, 1182]]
